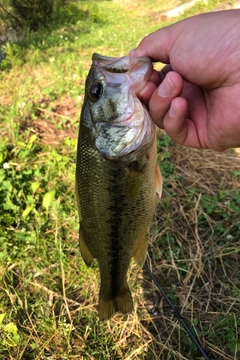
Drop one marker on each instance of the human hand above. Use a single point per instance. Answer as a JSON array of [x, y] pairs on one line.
[[196, 97]]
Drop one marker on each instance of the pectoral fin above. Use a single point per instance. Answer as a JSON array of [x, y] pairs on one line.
[[86, 255], [141, 253], [158, 181]]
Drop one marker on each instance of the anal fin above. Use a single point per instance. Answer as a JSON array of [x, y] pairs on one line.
[[141, 253], [86, 255]]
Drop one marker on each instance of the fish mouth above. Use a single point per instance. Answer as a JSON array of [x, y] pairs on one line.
[[139, 69], [108, 61]]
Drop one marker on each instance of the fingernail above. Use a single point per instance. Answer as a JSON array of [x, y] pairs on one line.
[[166, 87], [172, 111]]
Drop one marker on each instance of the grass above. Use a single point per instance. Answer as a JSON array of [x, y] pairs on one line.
[[48, 296]]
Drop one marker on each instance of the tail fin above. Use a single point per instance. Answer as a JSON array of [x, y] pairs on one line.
[[108, 306]]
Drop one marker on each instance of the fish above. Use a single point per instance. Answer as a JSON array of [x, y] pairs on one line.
[[117, 175]]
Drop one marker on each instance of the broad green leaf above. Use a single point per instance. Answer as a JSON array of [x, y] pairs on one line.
[[34, 186], [31, 141], [3, 155], [48, 198], [21, 144], [11, 328], [27, 211]]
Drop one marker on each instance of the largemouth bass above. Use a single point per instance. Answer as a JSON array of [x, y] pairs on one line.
[[117, 176]]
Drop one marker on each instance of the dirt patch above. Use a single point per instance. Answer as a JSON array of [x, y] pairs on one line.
[[54, 122]]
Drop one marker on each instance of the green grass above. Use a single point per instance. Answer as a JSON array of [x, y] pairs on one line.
[[48, 296]]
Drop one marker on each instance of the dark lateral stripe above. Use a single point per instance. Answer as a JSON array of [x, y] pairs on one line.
[[116, 209]]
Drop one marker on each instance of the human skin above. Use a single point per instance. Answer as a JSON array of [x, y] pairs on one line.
[[196, 97]]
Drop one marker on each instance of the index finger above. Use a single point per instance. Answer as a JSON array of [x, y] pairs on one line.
[[156, 45]]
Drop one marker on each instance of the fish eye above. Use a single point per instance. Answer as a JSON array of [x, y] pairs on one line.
[[95, 92]]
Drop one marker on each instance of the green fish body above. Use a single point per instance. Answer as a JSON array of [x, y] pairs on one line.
[[117, 175]]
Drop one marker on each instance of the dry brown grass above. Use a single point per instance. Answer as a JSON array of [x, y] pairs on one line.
[[198, 268]]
